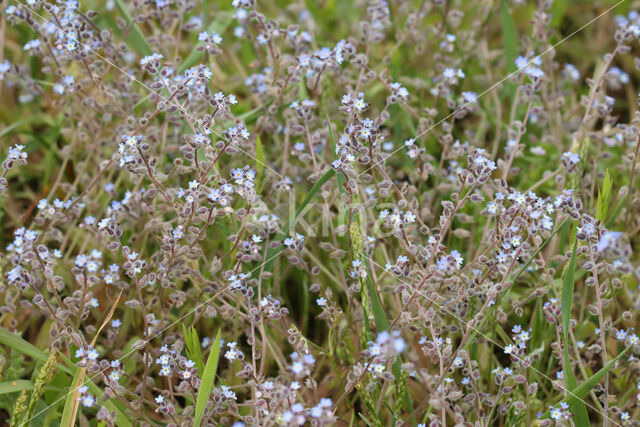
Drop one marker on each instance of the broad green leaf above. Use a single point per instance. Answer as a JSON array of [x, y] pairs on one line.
[[578, 408], [135, 39], [603, 198], [208, 377]]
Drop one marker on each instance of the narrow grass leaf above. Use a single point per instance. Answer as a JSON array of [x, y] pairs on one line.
[[193, 350], [602, 205], [73, 399], [13, 341], [567, 292], [379, 316], [581, 391], [558, 11], [72, 403], [208, 377], [15, 386], [341, 177], [578, 408], [259, 155], [509, 37]]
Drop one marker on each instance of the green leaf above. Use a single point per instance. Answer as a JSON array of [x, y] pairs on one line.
[[135, 39], [7, 130], [206, 386], [578, 408], [603, 198], [14, 386], [366, 421], [557, 11], [72, 402], [581, 391], [567, 292], [379, 316], [509, 38], [205, 9], [193, 350], [10, 339]]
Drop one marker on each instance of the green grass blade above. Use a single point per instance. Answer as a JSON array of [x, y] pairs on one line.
[[259, 156], [509, 38], [603, 199], [342, 179], [379, 316], [581, 391], [13, 341], [135, 39], [557, 11], [205, 9], [193, 350], [567, 292], [72, 403], [15, 386], [208, 377], [578, 408]]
